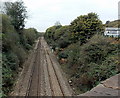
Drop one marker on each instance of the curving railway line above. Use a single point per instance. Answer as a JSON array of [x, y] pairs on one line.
[[42, 75]]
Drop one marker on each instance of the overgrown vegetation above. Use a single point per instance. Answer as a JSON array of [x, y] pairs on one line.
[[86, 56], [17, 13], [115, 23], [16, 44]]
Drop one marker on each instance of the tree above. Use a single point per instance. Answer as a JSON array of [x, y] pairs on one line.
[[57, 23], [17, 12], [85, 26], [107, 22]]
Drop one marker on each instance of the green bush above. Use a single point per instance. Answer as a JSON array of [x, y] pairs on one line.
[[85, 26], [7, 75], [13, 61], [60, 32], [15, 47], [6, 24], [30, 35], [89, 56], [92, 62], [62, 55]]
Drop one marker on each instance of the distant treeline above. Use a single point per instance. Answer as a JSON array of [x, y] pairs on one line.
[[85, 54]]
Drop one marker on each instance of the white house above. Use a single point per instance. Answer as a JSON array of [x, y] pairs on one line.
[[114, 32]]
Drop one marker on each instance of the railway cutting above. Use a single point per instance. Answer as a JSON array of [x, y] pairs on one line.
[[41, 75]]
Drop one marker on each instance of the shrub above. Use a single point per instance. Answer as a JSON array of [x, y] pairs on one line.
[[15, 47], [63, 55], [7, 75], [88, 56], [85, 26], [13, 61], [92, 62], [30, 35]]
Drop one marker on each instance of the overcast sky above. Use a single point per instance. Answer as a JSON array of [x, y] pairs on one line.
[[44, 13]]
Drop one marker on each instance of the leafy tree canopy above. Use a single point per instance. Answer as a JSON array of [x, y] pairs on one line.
[[86, 26], [17, 12]]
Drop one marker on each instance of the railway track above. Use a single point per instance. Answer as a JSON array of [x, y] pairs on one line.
[[32, 89], [57, 83], [43, 77]]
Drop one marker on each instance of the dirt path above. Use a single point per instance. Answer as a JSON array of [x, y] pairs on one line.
[[42, 75]]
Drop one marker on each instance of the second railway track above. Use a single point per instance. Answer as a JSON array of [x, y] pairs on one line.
[[58, 85]]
